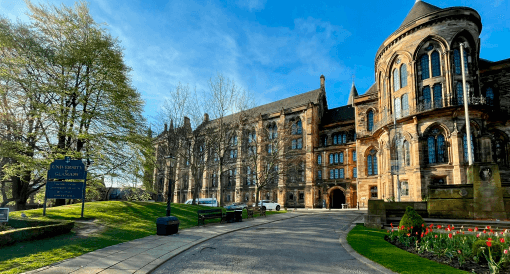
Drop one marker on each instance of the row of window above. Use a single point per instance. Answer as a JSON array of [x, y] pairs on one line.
[[335, 158], [404, 190], [338, 138], [337, 173]]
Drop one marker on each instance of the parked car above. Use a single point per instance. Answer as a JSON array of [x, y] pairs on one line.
[[270, 205], [236, 206], [204, 201]]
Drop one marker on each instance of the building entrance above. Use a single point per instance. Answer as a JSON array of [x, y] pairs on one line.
[[337, 198]]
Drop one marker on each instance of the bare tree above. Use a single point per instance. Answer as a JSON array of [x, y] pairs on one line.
[[269, 155]]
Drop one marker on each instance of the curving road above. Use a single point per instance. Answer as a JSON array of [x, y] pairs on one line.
[[306, 244]]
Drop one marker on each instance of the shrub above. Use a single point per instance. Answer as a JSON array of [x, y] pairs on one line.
[[480, 247], [411, 219]]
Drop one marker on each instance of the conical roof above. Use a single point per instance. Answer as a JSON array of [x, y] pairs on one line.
[[353, 94], [419, 10]]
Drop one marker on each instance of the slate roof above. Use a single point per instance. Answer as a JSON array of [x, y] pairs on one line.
[[339, 114], [371, 90], [290, 102], [419, 10]]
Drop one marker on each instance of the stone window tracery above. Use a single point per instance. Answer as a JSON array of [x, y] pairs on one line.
[[372, 163], [489, 96], [424, 63], [403, 75], [370, 120], [436, 147], [436, 64], [396, 79], [438, 95]]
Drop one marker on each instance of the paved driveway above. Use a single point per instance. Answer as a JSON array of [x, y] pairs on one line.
[[306, 244]]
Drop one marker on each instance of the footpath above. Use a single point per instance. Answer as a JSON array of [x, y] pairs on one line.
[[145, 254]]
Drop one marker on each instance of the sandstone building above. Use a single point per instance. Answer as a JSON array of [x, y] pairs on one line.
[[349, 153]]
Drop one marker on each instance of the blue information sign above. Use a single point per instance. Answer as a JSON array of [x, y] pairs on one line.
[[64, 190], [67, 169]]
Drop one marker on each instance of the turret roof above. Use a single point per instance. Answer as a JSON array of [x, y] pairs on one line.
[[353, 94], [419, 10]]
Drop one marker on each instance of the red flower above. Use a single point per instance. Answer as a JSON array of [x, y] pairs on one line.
[[459, 251], [484, 231], [453, 227], [416, 232], [476, 228], [431, 225], [489, 244], [391, 225], [489, 239], [470, 230], [436, 236], [408, 234], [421, 235], [439, 227], [502, 240], [450, 235], [411, 227], [422, 225]]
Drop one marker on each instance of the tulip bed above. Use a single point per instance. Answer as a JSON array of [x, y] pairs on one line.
[[475, 250]]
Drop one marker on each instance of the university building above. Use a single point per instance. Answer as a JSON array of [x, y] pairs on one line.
[[410, 122]]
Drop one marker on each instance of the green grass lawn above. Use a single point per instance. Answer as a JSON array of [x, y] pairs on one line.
[[123, 221], [371, 244]]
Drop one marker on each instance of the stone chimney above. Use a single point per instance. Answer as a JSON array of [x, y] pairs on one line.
[[206, 117], [323, 80]]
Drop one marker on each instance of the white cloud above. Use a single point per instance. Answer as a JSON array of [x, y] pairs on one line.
[[251, 5]]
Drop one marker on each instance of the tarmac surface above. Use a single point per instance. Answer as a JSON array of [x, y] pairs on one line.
[[302, 241], [306, 244]]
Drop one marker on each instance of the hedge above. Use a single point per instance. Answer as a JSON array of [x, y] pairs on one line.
[[32, 230]]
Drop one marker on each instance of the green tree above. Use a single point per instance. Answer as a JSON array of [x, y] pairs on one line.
[[65, 92]]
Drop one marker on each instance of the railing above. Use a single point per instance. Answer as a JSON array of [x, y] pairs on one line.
[[387, 118]]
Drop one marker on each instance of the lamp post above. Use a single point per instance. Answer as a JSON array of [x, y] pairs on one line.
[[170, 224], [466, 112]]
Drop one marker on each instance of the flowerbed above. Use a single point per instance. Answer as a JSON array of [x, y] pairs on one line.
[[475, 250]]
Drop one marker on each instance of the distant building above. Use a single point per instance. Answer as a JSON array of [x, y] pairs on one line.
[[348, 153]]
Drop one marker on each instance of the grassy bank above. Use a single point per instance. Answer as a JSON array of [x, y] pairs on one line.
[[371, 244], [122, 221]]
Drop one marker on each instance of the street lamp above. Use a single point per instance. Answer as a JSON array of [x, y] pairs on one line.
[[170, 184]]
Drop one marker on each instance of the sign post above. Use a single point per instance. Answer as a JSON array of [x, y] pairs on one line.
[[57, 186]]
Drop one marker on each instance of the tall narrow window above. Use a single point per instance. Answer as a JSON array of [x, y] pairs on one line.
[[369, 164], [373, 192], [336, 158], [370, 118], [300, 143], [489, 95], [331, 174], [344, 138], [331, 158], [436, 64], [405, 105], [457, 63], [299, 127], [354, 156], [440, 149], [372, 162], [319, 159], [396, 80], [425, 67], [431, 149], [407, 154], [341, 173], [403, 75], [341, 157], [438, 96], [335, 139], [354, 173], [336, 173], [460, 94], [398, 108], [319, 174], [464, 138], [426, 98]]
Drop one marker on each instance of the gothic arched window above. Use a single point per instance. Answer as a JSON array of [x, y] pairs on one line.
[[370, 120], [331, 161], [438, 96], [424, 62], [436, 147], [372, 162], [436, 64], [457, 63], [398, 108], [341, 157], [403, 75], [407, 153], [499, 148], [396, 79], [489, 96], [373, 192]]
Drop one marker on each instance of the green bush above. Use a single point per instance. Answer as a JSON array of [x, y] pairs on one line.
[[411, 219], [480, 247]]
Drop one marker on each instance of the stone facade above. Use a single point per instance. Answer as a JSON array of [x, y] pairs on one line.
[[410, 122]]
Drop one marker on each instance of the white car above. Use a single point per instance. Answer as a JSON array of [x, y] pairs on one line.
[[270, 205]]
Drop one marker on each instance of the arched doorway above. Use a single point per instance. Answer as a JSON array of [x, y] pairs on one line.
[[337, 198]]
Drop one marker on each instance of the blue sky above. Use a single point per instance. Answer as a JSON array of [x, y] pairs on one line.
[[274, 49]]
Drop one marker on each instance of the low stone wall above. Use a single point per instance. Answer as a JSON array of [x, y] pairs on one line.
[[451, 201], [379, 211], [27, 230]]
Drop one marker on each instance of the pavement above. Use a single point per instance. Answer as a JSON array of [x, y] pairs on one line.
[[146, 254]]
